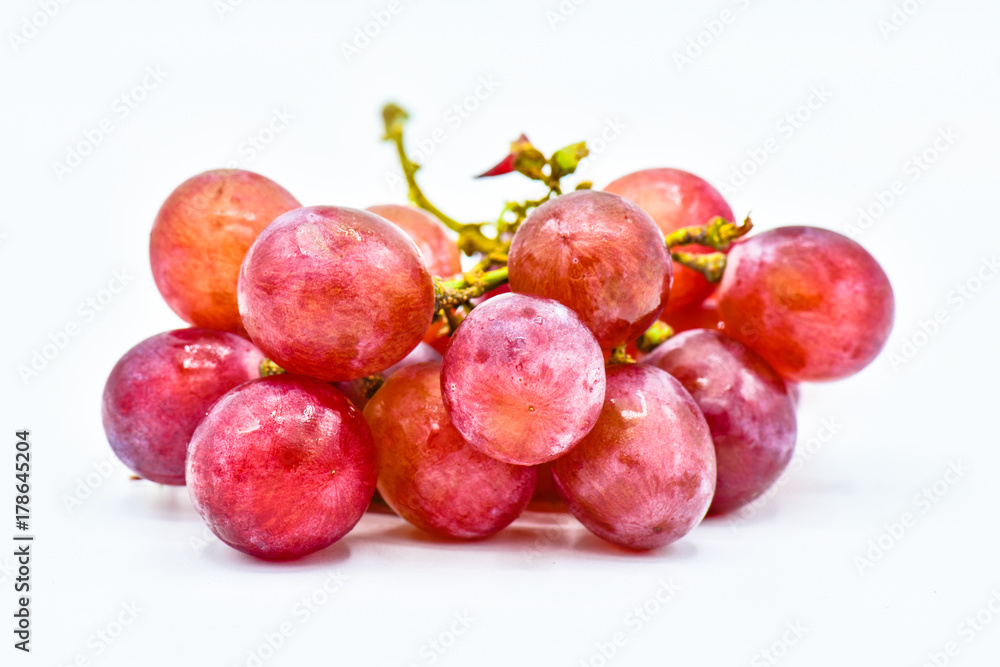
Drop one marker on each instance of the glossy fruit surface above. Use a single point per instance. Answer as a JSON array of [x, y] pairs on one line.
[[674, 198], [523, 379], [813, 303], [747, 406], [428, 473], [437, 248], [199, 239], [598, 254], [162, 388], [335, 293], [281, 467], [645, 475]]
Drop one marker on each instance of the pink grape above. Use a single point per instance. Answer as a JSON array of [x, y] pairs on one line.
[[813, 303], [674, 199], [335, 293], [162, 388], [437, 248], [200, 236], [281, 467], [747, 406], [523, 379], [428, 473], [598, 254], [645, 475]]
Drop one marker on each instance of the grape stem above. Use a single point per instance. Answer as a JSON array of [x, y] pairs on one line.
[[528, 160], [620, 355], [711, 265], [470, 236], [268, 367], [654, 336], [453, 293], [718, 234]]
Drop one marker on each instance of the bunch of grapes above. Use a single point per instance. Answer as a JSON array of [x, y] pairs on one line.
[[334, 352]]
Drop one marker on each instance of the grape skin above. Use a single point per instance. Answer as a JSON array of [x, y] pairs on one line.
[[813, 303], [598, 254], [437, 248], [437, 336], [645, 475], [749, 411], [428, 473], [281, 466], [523, 379], [161, 389], [704, 315], [335, 293], [674, 199], [199, 239]]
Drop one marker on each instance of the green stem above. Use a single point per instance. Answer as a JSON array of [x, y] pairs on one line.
[[395, 117], [620, 355], [522, 209], [470, 236], [268, 367], [711, 265], [654, 336], [452, 293], [717, 234]]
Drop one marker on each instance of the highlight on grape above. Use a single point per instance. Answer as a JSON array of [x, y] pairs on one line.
[[629, 356]]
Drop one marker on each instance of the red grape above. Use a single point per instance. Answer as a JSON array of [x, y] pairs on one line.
[[161, 389], [437, 248], [598, 254], [428, 473], [676, 199], [281, 467], [335, 293], [437, 336], [747, 407], [523, 379], [703, 315], [645, 475], [200, 236], [812, 302]]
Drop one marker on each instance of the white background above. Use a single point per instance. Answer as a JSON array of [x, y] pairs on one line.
[[542, 592]]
